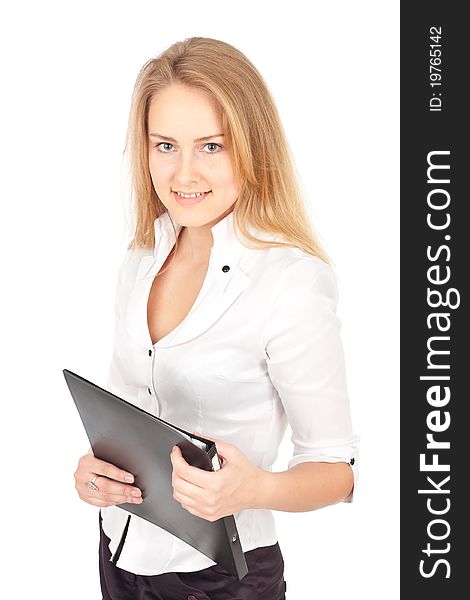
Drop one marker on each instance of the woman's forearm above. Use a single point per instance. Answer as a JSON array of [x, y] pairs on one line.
[[306, 486]]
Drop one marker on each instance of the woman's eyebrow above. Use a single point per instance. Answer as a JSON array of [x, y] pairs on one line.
[[170, 139]]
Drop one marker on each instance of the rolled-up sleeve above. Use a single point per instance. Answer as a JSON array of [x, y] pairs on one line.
[[306, 364]]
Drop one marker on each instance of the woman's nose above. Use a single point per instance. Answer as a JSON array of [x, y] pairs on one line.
[[186, 168]]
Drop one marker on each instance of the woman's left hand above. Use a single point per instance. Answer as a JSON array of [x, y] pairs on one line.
[[215, 494]]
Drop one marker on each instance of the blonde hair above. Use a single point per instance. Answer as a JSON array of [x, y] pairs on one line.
[[270, 197]]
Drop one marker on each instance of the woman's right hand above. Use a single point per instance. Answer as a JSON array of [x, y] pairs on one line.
[[112, 483]]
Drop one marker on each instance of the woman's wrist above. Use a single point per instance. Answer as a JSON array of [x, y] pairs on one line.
[[261, 489]]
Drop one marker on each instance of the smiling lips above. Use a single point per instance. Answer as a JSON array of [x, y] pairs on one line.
[[193, 198]]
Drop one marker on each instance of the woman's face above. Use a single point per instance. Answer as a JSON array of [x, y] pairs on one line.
[[188, 154]]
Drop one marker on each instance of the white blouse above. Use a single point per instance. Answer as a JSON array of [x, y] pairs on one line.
[[260, 347]]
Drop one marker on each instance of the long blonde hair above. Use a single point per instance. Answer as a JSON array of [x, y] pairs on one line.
[[270, 197]]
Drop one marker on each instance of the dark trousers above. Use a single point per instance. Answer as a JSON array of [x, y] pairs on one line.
[[264, 580]]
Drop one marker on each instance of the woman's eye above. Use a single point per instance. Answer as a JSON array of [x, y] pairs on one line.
[[161, 144], [166, 147], [215, 147]]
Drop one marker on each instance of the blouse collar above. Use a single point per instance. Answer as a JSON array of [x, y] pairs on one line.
[[226, 244]]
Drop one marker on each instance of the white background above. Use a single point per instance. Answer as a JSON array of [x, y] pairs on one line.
[[68, 69]]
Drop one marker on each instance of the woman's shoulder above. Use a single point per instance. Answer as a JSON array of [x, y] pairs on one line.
[[293, 255], [131, 258], [134, 254], [285, 256], [290, 262], [283, 275]]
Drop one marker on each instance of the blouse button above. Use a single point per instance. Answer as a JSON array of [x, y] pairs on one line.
[[149, 391], [150, 353], [351, 462], [225, 268]]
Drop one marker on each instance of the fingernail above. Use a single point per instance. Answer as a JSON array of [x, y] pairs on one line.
[[135, 493], [129, 478], [136, 500]]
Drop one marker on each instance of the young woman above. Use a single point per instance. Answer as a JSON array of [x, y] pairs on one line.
[[225, 326]]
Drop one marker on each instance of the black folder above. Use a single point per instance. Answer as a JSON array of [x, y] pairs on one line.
[[137, 441]]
